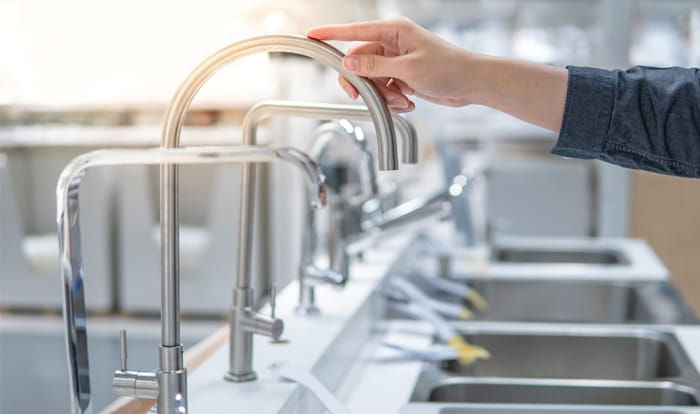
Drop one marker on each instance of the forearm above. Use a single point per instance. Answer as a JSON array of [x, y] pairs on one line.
[[644, 118], [532, 92]]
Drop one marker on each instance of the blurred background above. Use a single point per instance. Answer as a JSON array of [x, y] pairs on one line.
[[77, 75]]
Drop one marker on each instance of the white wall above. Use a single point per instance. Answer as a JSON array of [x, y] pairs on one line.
[[88, 52]]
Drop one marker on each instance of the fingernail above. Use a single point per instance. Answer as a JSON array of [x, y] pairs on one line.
[[351, 63], [398, 103]]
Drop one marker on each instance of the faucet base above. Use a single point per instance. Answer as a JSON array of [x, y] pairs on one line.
[[308, 310], [245, 377]]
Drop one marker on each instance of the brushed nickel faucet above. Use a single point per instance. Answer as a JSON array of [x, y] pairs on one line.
[[310, 273], [313, 269], [410, 214], [168, 384], [244, 321], [347, 216]]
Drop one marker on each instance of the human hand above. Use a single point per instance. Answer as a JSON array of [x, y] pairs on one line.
[[403, 59]]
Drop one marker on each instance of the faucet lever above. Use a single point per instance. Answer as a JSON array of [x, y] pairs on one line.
[[135, 384], [122, 349]]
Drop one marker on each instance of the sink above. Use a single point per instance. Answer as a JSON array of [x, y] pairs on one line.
[[466, 408], [583, 301], [534, 255], [565, 364], [602, 354], [567, 410], [466, 390]]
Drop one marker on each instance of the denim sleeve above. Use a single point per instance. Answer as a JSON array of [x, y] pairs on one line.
[[644, 118]]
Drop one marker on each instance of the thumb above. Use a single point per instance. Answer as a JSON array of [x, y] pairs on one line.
[[371, 65]]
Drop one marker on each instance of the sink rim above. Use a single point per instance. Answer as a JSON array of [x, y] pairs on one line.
[[641, 293], [499, 408], [688, 371], [496, 253], [425, 387], [674, 384]]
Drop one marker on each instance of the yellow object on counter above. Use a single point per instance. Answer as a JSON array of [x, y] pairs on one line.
[[467, 353], [477, 300], [466, 314]]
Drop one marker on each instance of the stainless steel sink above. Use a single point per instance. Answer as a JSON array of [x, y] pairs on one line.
[[466, 390], [583, 301], [567, 410], [536, 255], [576, 354], [565, 364], [466, 408]]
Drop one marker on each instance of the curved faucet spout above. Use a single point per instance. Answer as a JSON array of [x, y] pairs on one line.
[[294, 44], [277, 108], [344, 130], [68, 221]]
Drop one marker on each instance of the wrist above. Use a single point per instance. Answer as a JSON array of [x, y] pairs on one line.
[[485, 79]]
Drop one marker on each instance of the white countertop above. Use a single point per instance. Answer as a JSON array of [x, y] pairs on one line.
[[475, 262], [326, 344]]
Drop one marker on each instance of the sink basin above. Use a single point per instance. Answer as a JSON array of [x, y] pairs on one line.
[[466, 408], [465, 390], [525, 255], [567, 410], [602, 354], [583, 301]]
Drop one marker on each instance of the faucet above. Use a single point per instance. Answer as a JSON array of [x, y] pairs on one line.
[[244, 321], [409, 214], [310, 274], [169, 383]]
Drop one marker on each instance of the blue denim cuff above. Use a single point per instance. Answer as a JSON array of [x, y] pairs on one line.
[[589, 103]]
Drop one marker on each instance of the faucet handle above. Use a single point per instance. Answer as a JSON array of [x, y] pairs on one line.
[[122, 349], [135, 384]]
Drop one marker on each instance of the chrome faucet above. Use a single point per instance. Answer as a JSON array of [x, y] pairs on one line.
[[309, 272], [244, 320], [410, 214], [337, 271], [169, 383]]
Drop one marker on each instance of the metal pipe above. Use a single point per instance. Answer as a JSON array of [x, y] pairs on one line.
[[68, 221]]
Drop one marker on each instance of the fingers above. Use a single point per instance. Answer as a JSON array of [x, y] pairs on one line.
[[348, 88], [394, 98], [374, 66], [372, 48], [385, 32], [379, 82], [410, 108], [403, 87], [396, 101]]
